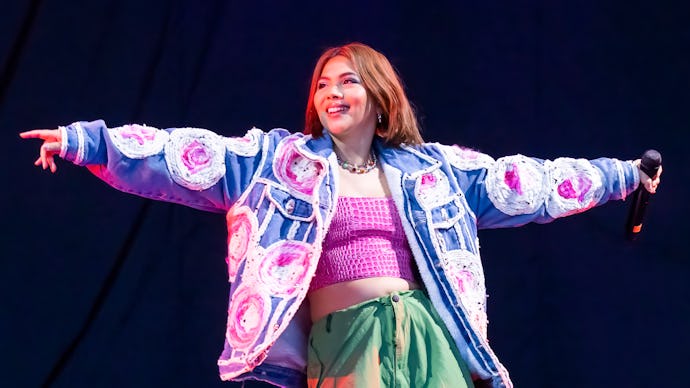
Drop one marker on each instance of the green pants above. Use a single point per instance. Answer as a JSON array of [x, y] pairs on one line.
[[394, 341]]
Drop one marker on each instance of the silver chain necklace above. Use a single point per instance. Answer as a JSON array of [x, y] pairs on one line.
[[358, 169]]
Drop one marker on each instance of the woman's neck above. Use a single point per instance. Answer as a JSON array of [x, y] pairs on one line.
[[355, 151]]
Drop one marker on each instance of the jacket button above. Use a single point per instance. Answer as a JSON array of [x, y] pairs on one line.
[[290, 206], [395, 298]]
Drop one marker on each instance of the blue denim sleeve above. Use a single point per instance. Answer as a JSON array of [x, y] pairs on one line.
[[189, 166], [515, 190]]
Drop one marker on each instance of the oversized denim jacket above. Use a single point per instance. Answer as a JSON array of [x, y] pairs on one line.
[[279, 190]]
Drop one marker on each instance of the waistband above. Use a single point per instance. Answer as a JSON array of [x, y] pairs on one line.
[[387, 300]]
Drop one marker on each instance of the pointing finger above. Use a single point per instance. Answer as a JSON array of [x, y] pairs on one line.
[[35, 133]]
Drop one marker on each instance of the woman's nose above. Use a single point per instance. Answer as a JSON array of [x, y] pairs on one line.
[[335, 91]]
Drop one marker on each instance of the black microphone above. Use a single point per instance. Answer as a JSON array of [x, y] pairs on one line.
[[649, 164]]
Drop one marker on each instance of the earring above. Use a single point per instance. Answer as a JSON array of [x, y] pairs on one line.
[[379, 118]]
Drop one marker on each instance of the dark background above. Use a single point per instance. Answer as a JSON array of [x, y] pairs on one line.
[[101, 288]]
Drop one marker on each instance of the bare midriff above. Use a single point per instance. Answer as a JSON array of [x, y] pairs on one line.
[[345, 294]]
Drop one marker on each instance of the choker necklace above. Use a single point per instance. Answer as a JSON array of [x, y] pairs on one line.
[[358, 169]]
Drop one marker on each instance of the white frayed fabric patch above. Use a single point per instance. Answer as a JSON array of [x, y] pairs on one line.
[[466, 277], [64, 141], [195, 157], [466, 159], [576, 185], [621, 178], [138, 141], [517, 185], [81, 144], [432, 189], [294, 169], [247, 145]]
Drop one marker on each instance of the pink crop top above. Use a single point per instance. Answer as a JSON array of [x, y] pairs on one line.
[[365, 239]]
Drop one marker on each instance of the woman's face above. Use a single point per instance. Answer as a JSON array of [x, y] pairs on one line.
[[341, 101]]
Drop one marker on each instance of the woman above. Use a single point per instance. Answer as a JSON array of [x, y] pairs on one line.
[[355, 228]]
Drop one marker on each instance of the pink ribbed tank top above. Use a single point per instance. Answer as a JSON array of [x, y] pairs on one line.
[[365, 239]]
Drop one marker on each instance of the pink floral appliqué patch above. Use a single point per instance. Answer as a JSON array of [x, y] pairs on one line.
[[428, 181], [576, 187], [284, 267], [296, 170], [512, 178], [140, 134], [242, 232], [138, 141], [247, 316], [195, 156], [465, 280], [464, 271], [517, 184], [432, 188]]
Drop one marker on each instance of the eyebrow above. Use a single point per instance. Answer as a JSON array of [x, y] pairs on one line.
[[342, 75]]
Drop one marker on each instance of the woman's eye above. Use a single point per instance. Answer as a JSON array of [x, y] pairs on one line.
[[350, 81], [320, 85]]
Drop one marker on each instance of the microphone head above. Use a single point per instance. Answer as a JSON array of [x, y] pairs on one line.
[[650, 162]]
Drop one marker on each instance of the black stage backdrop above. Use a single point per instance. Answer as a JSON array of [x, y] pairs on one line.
[[101, 288]]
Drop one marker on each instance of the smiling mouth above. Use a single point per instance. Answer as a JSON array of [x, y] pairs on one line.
[[336, 109]]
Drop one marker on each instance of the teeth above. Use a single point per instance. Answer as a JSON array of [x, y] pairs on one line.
[[335, 109]]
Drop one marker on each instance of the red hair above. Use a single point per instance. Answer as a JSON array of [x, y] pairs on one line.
[[379, 78]]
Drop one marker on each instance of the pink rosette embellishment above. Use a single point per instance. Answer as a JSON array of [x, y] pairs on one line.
[[284, 267], [242, 232], [295, 169], [512, 178], [577, 186], [195, 158], [138, 141], [247, 316], [432, 188], [517, 185], [140, 134]]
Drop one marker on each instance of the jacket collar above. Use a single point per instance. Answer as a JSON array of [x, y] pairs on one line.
[[401, 158], [408, 159], [319, 148]]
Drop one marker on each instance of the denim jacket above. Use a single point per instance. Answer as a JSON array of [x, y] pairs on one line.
[[279, 190]]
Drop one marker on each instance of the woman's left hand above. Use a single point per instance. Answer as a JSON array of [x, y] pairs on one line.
[[649, 183]]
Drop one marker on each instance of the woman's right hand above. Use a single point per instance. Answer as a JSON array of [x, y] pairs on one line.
[[52, 143]]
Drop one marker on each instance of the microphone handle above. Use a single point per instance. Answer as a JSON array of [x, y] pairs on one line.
[[649, 164], [636, 213]]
